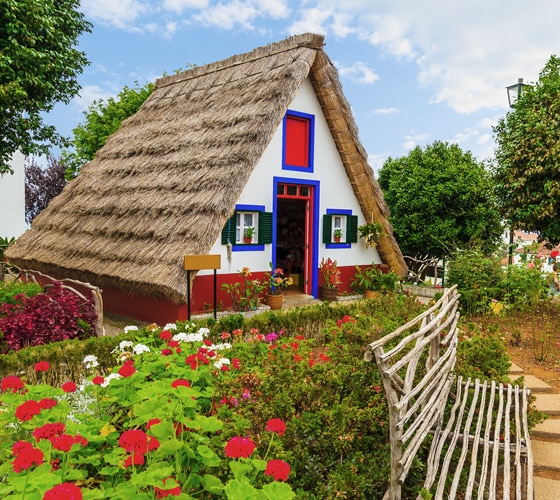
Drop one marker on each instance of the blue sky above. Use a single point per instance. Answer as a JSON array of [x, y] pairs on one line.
[[413, 71]]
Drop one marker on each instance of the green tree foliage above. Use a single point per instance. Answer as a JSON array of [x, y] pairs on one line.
[[103, 118], [440, 199], [527, 169], [39, 66]]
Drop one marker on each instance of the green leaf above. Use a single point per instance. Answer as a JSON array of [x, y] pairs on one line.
[[241, 490], [278, 491]]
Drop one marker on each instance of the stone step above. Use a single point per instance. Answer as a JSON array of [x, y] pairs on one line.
[[546, 455], [533, 383], [546, 489], [515, 370], [549, 429], [548, 403]]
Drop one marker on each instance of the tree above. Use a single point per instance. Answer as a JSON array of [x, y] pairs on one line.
[[42, 184], [440, 199], [527, 168], [103, 118], [39, 66]]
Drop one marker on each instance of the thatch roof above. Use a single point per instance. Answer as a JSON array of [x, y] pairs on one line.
[[165, 183]]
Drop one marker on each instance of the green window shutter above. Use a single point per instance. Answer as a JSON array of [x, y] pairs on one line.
[[352, 229], [327, 228], [265, 228], [228, 232]]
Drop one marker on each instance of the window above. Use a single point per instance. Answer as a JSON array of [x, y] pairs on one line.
[[299, 130], [248, 220], [340, 228]]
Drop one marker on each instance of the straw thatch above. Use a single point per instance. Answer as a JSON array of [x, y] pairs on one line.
[[165, 183]]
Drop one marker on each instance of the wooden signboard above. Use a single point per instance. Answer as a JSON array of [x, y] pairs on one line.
[[197, 263]]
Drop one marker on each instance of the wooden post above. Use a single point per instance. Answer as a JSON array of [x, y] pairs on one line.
[[196, 263]]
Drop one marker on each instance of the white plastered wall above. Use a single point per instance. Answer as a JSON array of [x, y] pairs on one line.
[[12, 199]]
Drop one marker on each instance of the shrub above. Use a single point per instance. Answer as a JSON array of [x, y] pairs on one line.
[[523, 285], [45, 318], [11, 289]]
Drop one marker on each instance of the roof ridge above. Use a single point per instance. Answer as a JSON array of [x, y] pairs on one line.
[[310, 40]]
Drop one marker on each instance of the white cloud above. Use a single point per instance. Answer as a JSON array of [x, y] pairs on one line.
[[411, 141], [178, 6], [90, 93], [119, 13], [359, 72], [240, 13], [386, 111], [312, 20]]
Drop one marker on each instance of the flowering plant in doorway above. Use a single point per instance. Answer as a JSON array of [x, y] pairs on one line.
[[277, 280]]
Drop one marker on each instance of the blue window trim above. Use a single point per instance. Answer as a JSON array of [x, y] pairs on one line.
[[241, 247], [338, 211], [311, 158], [315, 224]]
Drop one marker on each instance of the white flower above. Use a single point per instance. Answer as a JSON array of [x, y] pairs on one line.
[[170, 326], [222, 362], [222, 347], [140, 348], [203, 331], [108, 379], [188, 337], [90, 361], [130, 328]]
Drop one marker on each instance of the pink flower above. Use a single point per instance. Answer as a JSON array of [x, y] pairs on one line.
[[12, 382], [69, 387], [240, 447], [531, 265], [64, 491], [278, 469], [41, 366], [276, 425]]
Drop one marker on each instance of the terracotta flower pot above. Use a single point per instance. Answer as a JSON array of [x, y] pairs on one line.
[[274, 301], [327, 294], [247, 239]]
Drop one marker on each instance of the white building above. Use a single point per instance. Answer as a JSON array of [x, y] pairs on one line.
[[12, 199]]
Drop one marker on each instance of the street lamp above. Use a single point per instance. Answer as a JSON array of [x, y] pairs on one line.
[[514, 93]]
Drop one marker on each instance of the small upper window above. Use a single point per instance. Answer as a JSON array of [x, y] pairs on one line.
[[246, 227], [339, 228], [298, 141]]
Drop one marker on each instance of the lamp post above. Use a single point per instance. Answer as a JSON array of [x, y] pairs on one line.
[[514, 93]]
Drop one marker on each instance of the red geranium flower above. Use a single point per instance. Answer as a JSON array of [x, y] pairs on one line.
[[278, 469], [180, 382], [165, 335], [41, 366], [555, 253], [161, 493], [240, 447], [20, 446], [135, 458], [236, 363], [64, 491], [27, 410], [173, 343], [166, 352], [47, 403], [151, 422], [98, 380], [49, 431], [134, 441], [127, 370], [26, 458], [12, 382], [69, 387], [276, 425], [63, 442]]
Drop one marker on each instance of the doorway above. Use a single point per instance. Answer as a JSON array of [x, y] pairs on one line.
[[294, 216]]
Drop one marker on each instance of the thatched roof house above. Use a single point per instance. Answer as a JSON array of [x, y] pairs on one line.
[[167, 181]]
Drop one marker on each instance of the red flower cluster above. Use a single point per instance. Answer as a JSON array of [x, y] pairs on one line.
[[278, 469], [12, 382], [321, 358], [98, 380], [180, 382], [165, 335], [138, 443], [276, 425], [240, 447], [161, 493], [64, 491], [49, 431], [64, 442], [26, 411], [345, 319], [69, 387], [41, 366], [127, 369], [26, 455], [199, 358]]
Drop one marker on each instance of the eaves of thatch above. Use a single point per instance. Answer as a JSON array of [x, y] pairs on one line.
[[165, 183]]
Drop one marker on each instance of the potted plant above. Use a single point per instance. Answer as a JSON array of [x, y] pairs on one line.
[[248, 234], [371, 231], [368, 281], [331, 279], [277, 281], [337, 235], [389, 282]]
